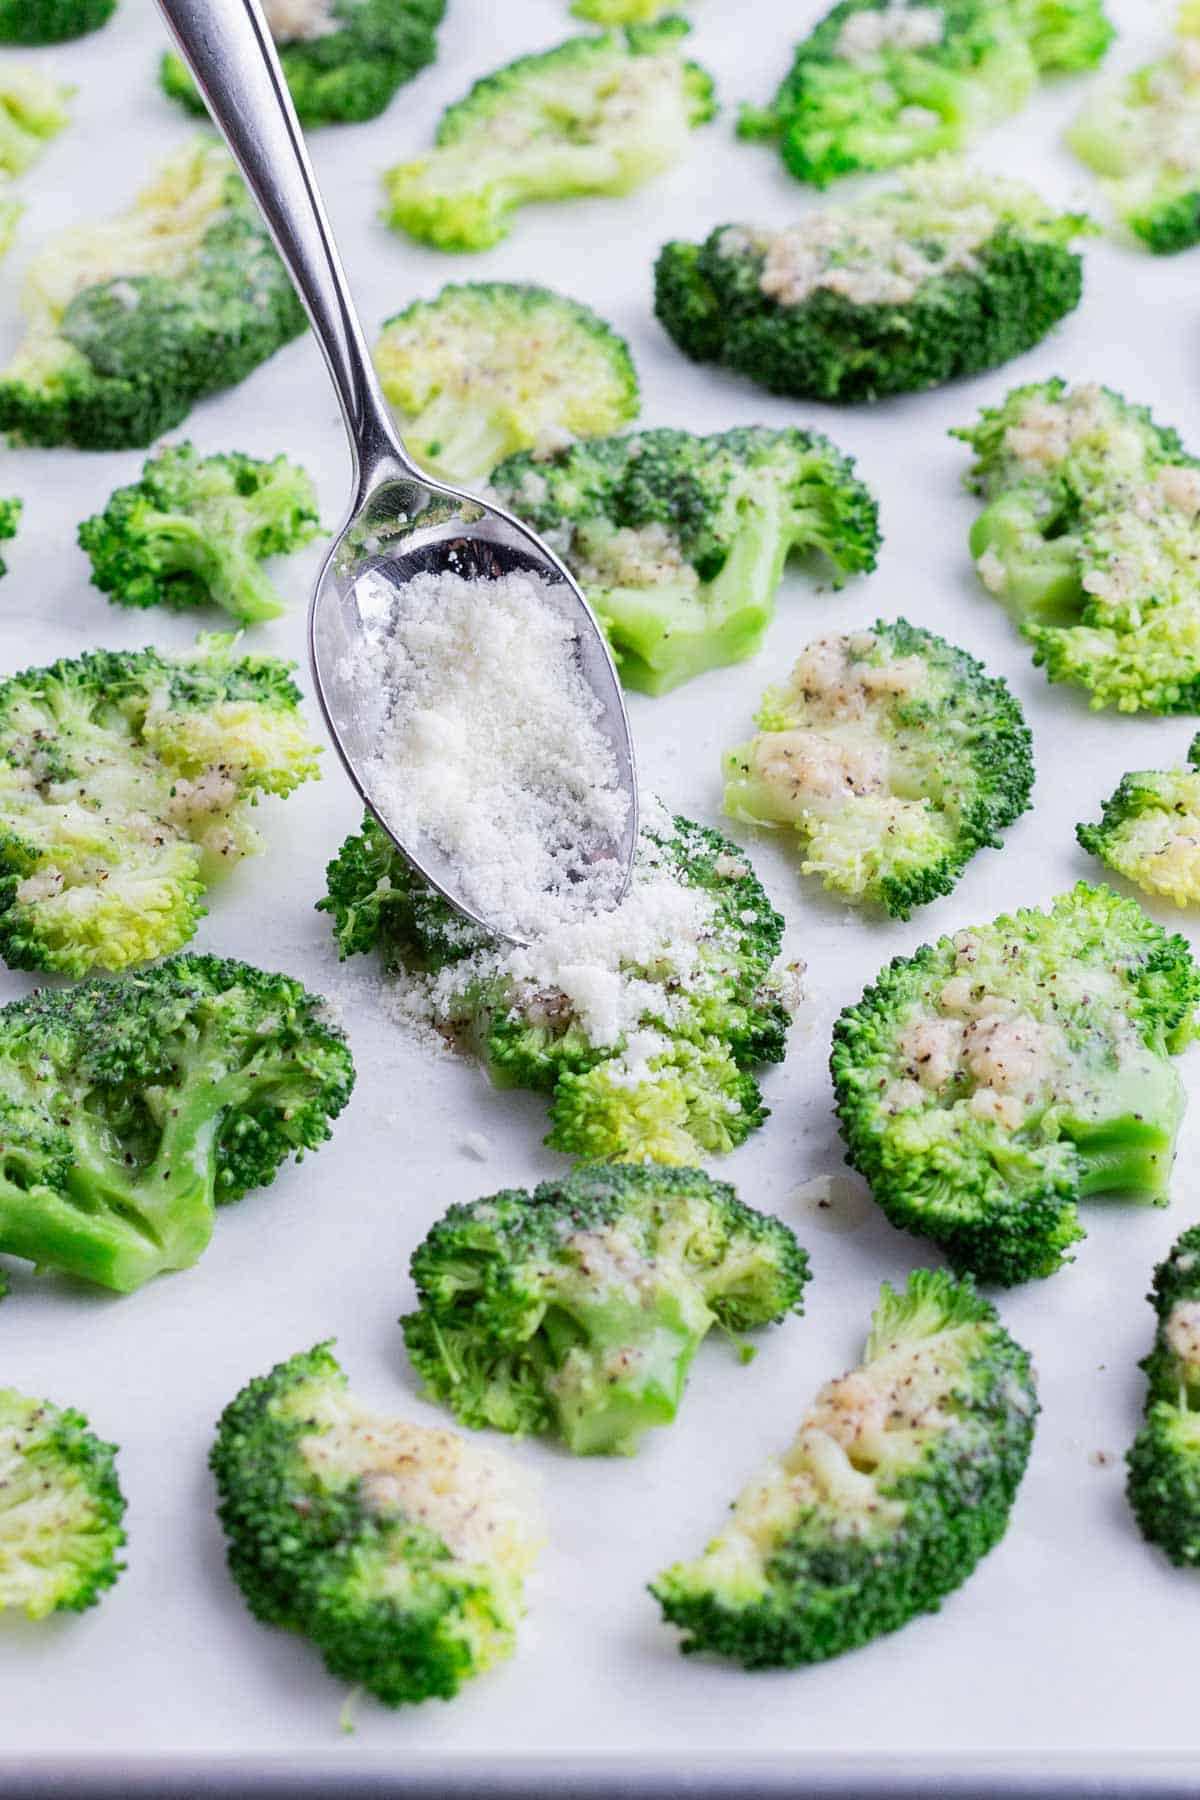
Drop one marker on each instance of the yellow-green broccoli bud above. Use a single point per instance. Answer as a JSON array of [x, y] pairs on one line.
[[33, 109], [489, 368], [623, 12], [1163, 1482], [398, 1550], [1090, 536], [597, 115], [900, 1479], [60, 1509], [579, 1308], [893, 755], [1149, 830], [127, 780]]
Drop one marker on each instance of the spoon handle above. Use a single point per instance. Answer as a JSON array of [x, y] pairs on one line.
[[228, 47]]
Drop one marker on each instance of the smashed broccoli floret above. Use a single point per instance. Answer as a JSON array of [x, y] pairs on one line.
[[61, 1508], [131, 1109], [1140, 135], [343, 59], [953, 273], [597, 115], [894, 755], [132, 321], [643, 1025], [578, 1309], [623, 12], [127, 779], [1090, 536], [493, 367], [878, 83], [33, 109], [194, 531], [1163, 1481], [987, 1083], [51, 21], [680, 541], [400, 1551], [10, 519], [1149, 830], [900, 1480]]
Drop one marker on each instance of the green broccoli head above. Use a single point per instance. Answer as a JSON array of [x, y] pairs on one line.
[[599, 114], [877, 84], [489, 368], [1088, 535], [579, 1308], [990, 1081], [51, 21], [10, 518], [894, 755], [955, 272], [1164, 1461], [643, 1026], [33, 109], [398, 1550], [680, 541], [128, 779], [130, 322], [1139, 134], [194, 531], [900, 1479], [343, 59], [1149, 830], [60, 1509], [131, 1109]]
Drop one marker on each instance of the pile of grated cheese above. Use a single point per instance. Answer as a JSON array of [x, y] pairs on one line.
[[492, 749]]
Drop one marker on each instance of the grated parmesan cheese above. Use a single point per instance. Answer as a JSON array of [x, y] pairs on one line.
[[896, 26]]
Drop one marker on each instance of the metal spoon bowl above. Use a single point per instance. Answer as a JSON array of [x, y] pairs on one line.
[[401, 522]]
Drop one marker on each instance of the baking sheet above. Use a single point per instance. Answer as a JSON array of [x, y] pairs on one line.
[[1073, 1644]]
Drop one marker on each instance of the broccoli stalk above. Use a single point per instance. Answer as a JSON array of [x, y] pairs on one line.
[[955, 272], [1163, 1463], [681, 541], [599, 114], [51, 21], [399, 1551], [132, 1109], [493, 367], [33, 109], [987, 1083], [195, 530], [61, 1509], [10, 518], [893, 755], [579, 1308], [1089, 536], [900, 1480], [1149, 830]]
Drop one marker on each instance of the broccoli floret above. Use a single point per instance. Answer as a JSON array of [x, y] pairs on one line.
[[597, 115], [990, 1081], [10, 518], [900, 1479], [130, 1109], [134, 320], [33, 109], [688, 962], [1089, 535], [493, 367], [51, 21], [194, 531], [953, 273], [127, 779], [894, 755], [400, 1551], [623, 12], [579, 1308], [343, 59], [680, 541], [1149, 830], [878, 83], [1163, 1481], [1139, 134], [61, 1508]]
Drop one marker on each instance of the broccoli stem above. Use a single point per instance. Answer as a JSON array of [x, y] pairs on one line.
[[226, 566], [622, 1364]]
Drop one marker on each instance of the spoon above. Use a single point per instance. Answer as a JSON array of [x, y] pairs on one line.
[[401, 522]]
